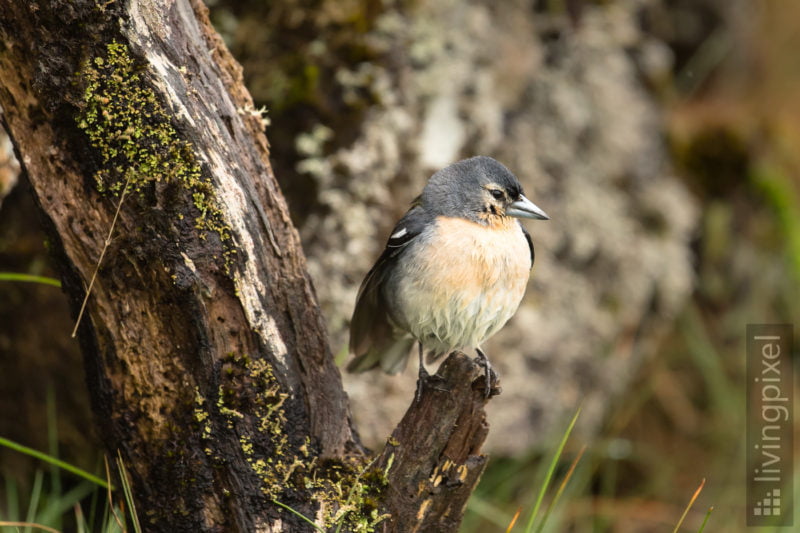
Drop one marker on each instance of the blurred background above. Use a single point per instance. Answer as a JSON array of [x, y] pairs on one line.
[[661, 136]]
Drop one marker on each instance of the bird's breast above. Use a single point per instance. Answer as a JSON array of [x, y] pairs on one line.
[[463, 281], [469, 256]]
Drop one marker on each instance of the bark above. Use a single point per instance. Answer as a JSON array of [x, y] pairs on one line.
[[204, 348], [440, 463]]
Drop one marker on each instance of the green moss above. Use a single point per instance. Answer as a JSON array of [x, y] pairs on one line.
[[346, 492], [201, 415], [136, 142], [358, 498], [250, 386]]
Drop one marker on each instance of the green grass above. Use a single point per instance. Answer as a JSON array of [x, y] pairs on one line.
[[29, 278], [55, 504], [49, 507], [53, 461], [548, 477], [505, 486]]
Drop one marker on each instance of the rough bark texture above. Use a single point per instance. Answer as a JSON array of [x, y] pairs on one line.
[[204, 348], [443, 461], [171, 339]]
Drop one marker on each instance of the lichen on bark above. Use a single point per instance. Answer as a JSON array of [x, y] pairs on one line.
[[250, 403], [136, 142]]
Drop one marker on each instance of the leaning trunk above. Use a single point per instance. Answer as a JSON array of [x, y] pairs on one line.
[[205, 351]]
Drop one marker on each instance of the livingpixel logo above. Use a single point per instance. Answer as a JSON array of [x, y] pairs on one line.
[[770, 425]]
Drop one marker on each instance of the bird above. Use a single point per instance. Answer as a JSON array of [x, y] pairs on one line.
[[453, 272]]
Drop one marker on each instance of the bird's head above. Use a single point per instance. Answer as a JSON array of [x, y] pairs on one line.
[[480, 189]]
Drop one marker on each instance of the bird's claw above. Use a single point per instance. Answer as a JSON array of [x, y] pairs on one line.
[[426, 379], [490, 376]]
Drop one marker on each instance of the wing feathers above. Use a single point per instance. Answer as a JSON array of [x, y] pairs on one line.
[[373, 340]]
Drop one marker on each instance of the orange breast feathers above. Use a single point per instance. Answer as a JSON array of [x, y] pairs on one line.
[[461, 291], [474, 257]]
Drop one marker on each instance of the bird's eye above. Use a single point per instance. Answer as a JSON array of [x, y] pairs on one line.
[[497, 194]]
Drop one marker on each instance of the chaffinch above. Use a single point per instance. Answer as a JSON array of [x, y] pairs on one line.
[[453, 272]]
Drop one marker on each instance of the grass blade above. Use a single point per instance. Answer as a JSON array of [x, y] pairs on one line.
[[106, 244], [12, 500], [53, 461], [57, 504], [113, 509], [28, 525], [514, 520], [689, 506], [36, 493], [52, 450], [560, 489], [301, 515], [29, 278], [550, 471], [80, 521], [126, 489], [488, 510], [705, 520]]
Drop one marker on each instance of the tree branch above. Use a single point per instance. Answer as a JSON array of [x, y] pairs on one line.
[[433, 456]]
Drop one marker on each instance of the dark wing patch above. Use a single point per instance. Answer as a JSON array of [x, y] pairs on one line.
[[371, 333], [530, 243], [406, 230], [400, 237]]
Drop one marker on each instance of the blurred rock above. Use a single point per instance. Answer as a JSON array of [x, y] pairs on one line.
[[563, 106], [9, 167]]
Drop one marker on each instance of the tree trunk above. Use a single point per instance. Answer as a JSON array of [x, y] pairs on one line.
[[205, 352]]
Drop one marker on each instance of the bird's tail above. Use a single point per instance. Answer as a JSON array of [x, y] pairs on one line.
[[391, 357]]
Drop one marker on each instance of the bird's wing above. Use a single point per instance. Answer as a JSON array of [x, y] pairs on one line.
[[530, 243], [374, 340]]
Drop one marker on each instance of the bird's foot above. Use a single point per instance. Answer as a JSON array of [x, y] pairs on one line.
[[425, 379], [490, 376]]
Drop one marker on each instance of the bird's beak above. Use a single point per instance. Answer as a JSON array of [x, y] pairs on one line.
[[524, 208]]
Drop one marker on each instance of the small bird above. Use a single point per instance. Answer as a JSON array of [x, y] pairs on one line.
[[453, 272]]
